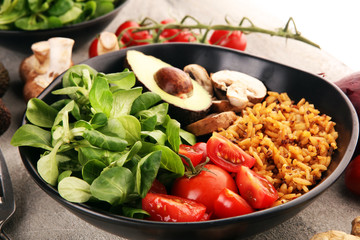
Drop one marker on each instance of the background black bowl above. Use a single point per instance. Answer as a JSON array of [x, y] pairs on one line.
[[21, 41], [328, 98]]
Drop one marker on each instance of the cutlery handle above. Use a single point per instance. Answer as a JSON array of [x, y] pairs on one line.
[[3, 235]]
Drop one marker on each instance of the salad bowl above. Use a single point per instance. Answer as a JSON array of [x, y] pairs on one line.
[[281, 78]]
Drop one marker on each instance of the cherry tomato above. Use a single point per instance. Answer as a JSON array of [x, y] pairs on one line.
[[126, 35], [256, 189], [204, 187], [196, 153], [218, 35], [169, 33], [184, 36], [158, 187], [93, 52], [169, 208], [139, 38], [352, 176], [235, 40], [227, 154], [230, 204]]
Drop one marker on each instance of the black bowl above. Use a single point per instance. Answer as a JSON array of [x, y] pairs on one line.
[[21, 41], [298, 84]]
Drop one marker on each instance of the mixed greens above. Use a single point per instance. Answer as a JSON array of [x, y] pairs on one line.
[[105, 140], [45, 14]]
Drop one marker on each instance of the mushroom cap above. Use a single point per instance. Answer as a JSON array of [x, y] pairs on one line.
[[240, 88]]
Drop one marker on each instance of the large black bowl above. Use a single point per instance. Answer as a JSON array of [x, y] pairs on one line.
[[328, 98], [21, 41]]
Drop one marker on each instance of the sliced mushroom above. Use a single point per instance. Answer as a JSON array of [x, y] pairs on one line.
[[199, 74], [219, 106], [212, 123], [240, 88], [108, 42]]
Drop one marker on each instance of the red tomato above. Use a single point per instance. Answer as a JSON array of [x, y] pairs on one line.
[[184, 36], [169, 208], [227, 154], [158, 187], [230, 204], [126, 35], [139, 38], [169, 33], [352, 175], [235, 40], [196, 153], [256, 189], [204, 187], [93, 52], [218, 35]]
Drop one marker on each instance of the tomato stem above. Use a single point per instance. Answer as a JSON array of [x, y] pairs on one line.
[[150, 24]]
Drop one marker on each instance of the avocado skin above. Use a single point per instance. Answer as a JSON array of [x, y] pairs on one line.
[[4, 79], [5, 117]]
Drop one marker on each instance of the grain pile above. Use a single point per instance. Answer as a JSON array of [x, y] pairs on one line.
[[292, 143]]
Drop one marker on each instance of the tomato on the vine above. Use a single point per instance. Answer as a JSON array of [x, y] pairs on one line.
[[184, 36], [168, 208], [204, 187], [227, 154], [235, 39], [129, 36], [158, 187], [256, 189], [352, 176], [169, 33], [196, 153], [230, 204]]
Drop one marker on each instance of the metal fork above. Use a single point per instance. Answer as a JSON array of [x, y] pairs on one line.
[[7, 201]]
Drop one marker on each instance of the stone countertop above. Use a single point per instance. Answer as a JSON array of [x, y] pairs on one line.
[[39, 217]]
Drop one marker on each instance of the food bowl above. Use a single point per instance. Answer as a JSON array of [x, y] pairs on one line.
[[82, 32], [298, 84]]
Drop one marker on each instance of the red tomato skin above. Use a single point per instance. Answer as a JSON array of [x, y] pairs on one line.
[[168, 208], [255, 189], [352, 176], [235, 40], [204, 187], [196, 153], [184, 36], [169, 33], [158, 187], [227, 154], [230, 204], [218, 35], [93, 52], [127, 34]]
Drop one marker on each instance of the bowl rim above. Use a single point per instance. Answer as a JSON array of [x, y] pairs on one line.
[[309, 196], [18, 32]]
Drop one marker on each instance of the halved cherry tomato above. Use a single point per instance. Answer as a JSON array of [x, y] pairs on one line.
[[230, 204], [235, 40], [196, 153], [227, 154], [256, 189], [352, 176], [168, 208], [93, 52], [158, 187], [204, 187]]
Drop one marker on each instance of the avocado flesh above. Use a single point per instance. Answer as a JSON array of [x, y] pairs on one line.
[[144, 68]]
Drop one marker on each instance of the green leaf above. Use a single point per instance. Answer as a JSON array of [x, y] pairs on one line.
[[32, 136], [157, 135], [114, 185], [144, 102], [173, 134], [47, 166], [189, 138], [74, 189], [122, 80], [100, 140], [132, 128], [92, 170], [100, 96], [147, 170], [40, 113], [159, 110], [90, 153], [123, 100]]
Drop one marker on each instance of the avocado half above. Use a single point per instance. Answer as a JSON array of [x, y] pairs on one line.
[[185, 110]]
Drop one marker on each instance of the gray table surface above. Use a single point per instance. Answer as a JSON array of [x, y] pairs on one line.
[[39, 217]]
